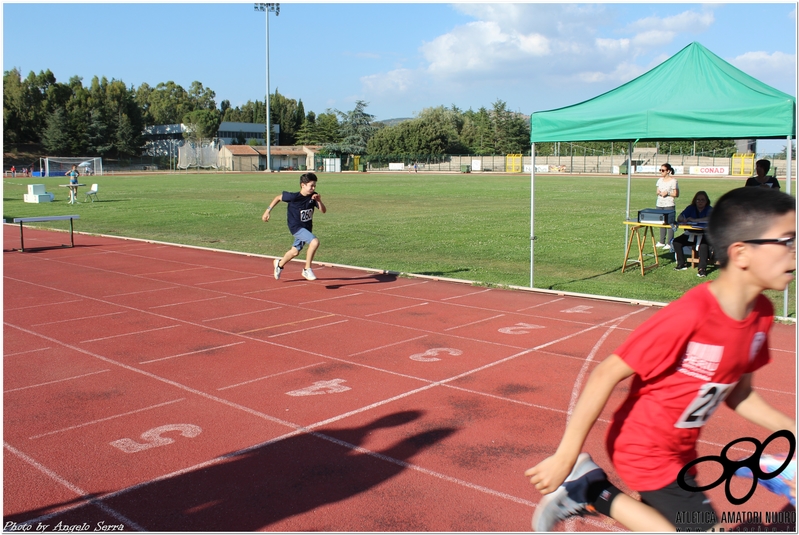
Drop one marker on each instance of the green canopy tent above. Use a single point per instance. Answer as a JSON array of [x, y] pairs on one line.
[[692, 95]]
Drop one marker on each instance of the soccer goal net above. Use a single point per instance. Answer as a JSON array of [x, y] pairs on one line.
[[60, 166], [203, 155]]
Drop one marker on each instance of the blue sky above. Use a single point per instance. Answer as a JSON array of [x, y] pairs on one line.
[[399, 58]]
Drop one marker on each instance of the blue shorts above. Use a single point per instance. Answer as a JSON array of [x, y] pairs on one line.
[[301, 238]]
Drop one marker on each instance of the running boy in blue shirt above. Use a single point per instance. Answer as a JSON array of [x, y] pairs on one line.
[[299, 216]]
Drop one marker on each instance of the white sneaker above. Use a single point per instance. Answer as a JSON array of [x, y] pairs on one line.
[[278, 269], [658, 244], [308, 274], [570, 498]]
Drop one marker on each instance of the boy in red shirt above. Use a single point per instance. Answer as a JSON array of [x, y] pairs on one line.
[[686, 359]]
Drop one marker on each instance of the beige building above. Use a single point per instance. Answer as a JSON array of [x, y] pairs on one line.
[[248, 158], [294, 158]]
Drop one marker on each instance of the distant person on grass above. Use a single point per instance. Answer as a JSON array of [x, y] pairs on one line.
[[762, 168], [698, 212], [685, 360], [299, 216], [668, 190]]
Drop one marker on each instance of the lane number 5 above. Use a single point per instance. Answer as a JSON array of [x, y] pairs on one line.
[[153, 438]]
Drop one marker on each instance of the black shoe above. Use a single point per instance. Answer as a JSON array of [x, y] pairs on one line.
[[681, 267], [701, 273]]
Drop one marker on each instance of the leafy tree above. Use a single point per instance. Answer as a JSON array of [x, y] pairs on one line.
[[57, 139], [98, 141], [201, 98], [202, 125], [355, 130]]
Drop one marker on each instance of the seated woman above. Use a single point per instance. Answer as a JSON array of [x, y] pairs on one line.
[[697, 212]]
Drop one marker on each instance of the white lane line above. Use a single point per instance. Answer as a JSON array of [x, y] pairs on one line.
[[330, 298], [397, 309], [144, 291], [403, 286], [114, 417], [53, 382], [474, 322], [578, 382], [85, 497], [191, 352], [181, 270], [242, 314], [542, 304], [270, 376], [466, 295], [80, 319], [308, 328], [129, 334], [44, 305], [227, 280], [190, 302], [24, 352], [389, 345]]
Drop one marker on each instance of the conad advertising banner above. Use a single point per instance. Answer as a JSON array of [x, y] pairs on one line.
[[718, 170]]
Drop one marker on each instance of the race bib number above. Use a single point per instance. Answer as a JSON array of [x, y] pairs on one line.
[[306, 215], [704, 405]]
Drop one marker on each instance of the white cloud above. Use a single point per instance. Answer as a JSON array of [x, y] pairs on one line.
[[777, 69], [396, 81]]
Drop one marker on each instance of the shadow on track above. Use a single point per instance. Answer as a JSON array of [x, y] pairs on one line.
[[253, 490]]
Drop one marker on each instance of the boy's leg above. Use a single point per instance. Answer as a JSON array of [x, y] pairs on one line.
[[587, 489], [280, 264], [312, 247], [290, 254]]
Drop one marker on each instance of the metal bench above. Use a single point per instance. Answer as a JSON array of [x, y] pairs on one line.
[[22, 220]]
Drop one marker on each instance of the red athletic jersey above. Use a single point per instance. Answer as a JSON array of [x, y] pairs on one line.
[[687, 358]]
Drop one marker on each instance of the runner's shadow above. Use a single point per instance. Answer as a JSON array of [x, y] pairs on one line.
[[377, 278], [258, 488]]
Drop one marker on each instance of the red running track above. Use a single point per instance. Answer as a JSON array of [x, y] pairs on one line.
[[166, 388]]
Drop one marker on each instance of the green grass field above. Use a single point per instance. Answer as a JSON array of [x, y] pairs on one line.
[[464, 226]]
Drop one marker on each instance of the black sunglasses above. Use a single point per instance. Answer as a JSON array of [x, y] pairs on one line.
[[787, 242]]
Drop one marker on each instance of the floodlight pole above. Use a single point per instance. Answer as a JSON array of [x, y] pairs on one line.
[[267, 8]]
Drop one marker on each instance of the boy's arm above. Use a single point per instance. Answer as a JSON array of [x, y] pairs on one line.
[[319, 202], [550, 473], [272, 204], [745, 401]]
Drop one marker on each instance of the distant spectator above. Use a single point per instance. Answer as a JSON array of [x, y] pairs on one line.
[[668, 190], [13, 171], [760, 179]]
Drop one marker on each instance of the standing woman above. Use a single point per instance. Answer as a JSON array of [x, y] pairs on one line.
[[668, 190]]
